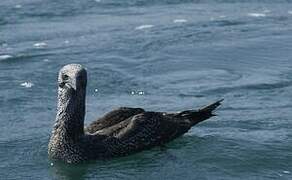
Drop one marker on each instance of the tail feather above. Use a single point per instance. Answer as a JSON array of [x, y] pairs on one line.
[[211, 107], [196, 116]]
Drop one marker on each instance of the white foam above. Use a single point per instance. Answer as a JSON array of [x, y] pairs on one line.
[[46, 60], [66, 42], [5, 56], [27, 84], [97, 0], [180, 21], [286, 172], [40, 45], [146, 26], [257, 14]]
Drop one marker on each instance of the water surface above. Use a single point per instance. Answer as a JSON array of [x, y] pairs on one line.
[[180, 54]]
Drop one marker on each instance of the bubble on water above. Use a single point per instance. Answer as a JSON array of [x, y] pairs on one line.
[[133, 93], [286, 172], [96, 90], [141, 92], [27, 84], [40, 45], [46, 60], [52, 164]]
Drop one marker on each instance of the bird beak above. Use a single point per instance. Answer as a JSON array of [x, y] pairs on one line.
[[72, 85], [69, 85]]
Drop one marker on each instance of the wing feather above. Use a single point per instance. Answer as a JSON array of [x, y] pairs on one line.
[[149, 129], [112, 118]]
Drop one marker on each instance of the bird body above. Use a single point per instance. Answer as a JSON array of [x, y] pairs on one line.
[[120, 132]]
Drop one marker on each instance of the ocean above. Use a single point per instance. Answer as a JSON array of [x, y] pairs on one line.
[[161, 55]]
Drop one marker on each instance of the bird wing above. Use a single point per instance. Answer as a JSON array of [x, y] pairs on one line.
[[112, 118], [150, 129]]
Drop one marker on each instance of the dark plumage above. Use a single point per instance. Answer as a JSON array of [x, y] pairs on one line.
[[120, 132]]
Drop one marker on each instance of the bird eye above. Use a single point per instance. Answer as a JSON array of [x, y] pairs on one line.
[[65, 77]]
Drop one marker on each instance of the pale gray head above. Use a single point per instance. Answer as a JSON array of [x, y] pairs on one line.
[[72, 82], [72, 76]]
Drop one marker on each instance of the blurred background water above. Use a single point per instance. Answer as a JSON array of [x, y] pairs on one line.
[[163, 55]]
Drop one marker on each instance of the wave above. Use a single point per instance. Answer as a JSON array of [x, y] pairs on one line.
[[3, 21], [5, 57], [16, 58], [74, 8], [180, 21], [40, 45], [146, 26], [260, 86], [257, 14], [226, 22]]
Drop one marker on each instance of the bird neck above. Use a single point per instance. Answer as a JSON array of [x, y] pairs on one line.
[[70, 117]]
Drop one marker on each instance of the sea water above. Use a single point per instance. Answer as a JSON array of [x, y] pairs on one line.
[[161, 55]]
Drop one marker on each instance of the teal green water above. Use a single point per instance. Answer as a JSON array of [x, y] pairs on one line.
[[181, 54]]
